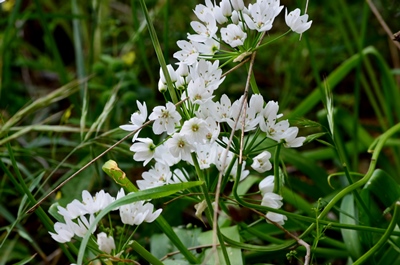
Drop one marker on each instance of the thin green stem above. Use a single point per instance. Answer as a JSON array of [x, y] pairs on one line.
[[383, 239], [380, 143], [159, 53], [277, 177]]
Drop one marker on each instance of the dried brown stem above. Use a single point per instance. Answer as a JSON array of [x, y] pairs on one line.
[[383, 23]]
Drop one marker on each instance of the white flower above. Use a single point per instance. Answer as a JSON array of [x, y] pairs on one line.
[[83, 225], [226, 8], [206, 154], [195, 130], [214, 128], [209, 47], [261, 162], [165, 118], [251, 120], [197, 92], [144, 150], [137, 119], [137, 212], [188, 53], [233, 35], [171, 73], [183, 70], [272, 200], [105, 243], [276, 217], [237, 4], [257, 103], [289, 137], [222, 109], [204, 31], [296, 22], [262, 15], [164, 156], [63, 233], [209, 72], [158, 175], [96, 203], [73, 210], [267, 185], [218, 15], [179, 146], [201, 10]]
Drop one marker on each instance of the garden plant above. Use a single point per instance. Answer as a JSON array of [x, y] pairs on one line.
[[200, 132]]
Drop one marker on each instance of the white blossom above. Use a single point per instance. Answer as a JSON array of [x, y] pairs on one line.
[[144, 150], [96, 203], [290, 138], [296, 22], [276, 217], [195, 130], [159, 175], [197, 92], [267, 184], [63, 233], [137, 212], [261, 162], [188, 53], [179, 146], [272, 200], [262, 15], [137, 119], [204, 31], [105, 243], [233, 35], [165, 118], [238, 5]]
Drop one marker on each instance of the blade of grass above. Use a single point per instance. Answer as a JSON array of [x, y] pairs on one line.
[[159, 53], [57, 95]]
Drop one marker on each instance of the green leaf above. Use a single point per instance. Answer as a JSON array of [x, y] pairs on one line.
[[383, 187], [348, 215], [235, 254], [160, 245]]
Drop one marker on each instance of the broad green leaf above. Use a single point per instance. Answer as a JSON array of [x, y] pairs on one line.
[[235, 254], [161, 245], [384, 187], [348, 215]]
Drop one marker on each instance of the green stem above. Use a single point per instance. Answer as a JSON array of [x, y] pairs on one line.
[[159, 53], [277, 178], [380, 143], [384, 238]]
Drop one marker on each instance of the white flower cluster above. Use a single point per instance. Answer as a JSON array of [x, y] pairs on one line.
[[271, 199], [78, 217], [192, 130], [236, 23]]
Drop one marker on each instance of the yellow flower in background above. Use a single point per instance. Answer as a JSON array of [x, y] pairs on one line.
[[129, 58], [7, 5]]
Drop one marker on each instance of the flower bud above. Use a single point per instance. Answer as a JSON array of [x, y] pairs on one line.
[[237, 4]]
